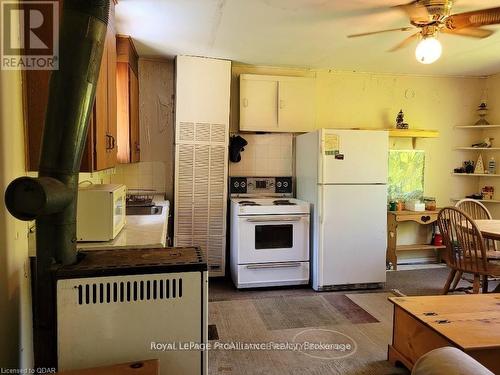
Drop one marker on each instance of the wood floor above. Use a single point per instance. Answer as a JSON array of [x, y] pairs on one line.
[[364, 319], [293, 314]]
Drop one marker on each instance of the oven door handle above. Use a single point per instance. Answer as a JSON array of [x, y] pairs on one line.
[[273, 265], [275, 219]]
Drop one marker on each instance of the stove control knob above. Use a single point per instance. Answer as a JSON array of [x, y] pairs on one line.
[[250, 184], [278, 184], [285, 184], [243, 184], [237, 184]]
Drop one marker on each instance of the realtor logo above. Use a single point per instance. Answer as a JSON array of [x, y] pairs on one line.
[[30, 35]]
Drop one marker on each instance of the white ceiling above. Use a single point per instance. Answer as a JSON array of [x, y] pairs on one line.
[[301, 33]]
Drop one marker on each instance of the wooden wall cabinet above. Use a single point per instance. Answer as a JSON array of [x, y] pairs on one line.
[[276, 103], [127, 88], [100, 149]]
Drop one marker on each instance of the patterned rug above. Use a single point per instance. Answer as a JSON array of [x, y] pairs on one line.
[[320, 333]]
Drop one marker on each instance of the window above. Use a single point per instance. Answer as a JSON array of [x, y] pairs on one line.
[[406, 174]]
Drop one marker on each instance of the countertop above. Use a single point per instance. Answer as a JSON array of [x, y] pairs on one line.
[[140, 231]]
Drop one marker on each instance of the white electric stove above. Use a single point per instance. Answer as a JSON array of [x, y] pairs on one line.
[[269, 233]]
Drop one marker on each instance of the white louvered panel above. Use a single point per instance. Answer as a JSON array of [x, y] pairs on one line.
[[184, 192], [185, 131], [216, 255], [202, 133], [219, 133], [217, 183], [184, 240], [201, 191], [202, 121]]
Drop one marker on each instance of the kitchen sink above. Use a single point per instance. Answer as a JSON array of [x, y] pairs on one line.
[[144, 210]]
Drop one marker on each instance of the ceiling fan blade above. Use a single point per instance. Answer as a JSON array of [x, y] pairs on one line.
[[381, 31], [474, 32], [475, 18], [415, 11], [405, 42]]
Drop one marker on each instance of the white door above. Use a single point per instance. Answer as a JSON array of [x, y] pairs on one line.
[[296, 104], [258, 104], [353, 156], [353, 235]]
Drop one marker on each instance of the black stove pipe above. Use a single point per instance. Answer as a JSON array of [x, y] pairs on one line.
[[52, 197]]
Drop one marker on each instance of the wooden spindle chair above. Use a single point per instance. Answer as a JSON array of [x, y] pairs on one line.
[[477, 211], [465, 246]]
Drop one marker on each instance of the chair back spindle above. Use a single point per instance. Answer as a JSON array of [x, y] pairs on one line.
[[464, 242]]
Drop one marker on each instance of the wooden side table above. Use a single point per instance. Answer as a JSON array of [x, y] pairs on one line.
[[396, 217]]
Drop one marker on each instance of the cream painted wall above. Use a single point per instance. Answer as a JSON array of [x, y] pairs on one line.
[[366, 100], [15, 299], [372, 101]]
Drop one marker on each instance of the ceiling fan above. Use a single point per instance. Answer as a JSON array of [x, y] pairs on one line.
[[431, 17]]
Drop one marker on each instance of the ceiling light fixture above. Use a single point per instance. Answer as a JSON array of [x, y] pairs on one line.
[[428, 50]]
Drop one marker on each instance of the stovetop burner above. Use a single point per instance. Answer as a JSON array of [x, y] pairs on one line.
[[283, 202], [249, 203]]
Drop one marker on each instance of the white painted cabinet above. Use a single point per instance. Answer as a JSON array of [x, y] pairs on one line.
[[258, 103], [201, 156], [277, 103]]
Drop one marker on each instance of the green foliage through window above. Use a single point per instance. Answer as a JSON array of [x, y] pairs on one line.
[[406, 174]]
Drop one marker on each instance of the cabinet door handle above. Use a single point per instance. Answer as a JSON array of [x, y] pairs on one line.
[[245, 102], [113, 142], [108, 141], [137, 147], [282, 104]]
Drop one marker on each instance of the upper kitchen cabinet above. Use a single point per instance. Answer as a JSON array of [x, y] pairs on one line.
[[258, 103], [100, 149], [104, 119], [276, 103], [127, 88]]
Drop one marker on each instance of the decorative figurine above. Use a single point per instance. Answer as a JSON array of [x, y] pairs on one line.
[[486, 143], [400, 121], [482, 110], [469, 166], [487, 192], [479, 169]]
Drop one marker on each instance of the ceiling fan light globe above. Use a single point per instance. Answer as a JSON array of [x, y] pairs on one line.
[[428, 50]]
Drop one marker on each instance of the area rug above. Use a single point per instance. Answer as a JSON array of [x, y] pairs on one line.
[[360, 321]]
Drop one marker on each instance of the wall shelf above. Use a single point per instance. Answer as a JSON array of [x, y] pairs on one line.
[[477, 126], [476, 174], [478, 148], [413, 133], [479, 200]]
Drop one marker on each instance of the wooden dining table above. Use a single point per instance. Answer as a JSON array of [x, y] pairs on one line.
[[489, 228]]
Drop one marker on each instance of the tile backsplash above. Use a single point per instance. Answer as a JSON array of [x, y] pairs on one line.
[[265, 155], [142, 175]]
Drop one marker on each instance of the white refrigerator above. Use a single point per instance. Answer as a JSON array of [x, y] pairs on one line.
[[343, 173]]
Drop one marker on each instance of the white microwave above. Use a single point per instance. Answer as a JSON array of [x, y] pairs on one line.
[[100, 212]]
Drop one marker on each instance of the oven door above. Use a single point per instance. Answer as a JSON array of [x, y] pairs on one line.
[[273, 238]]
